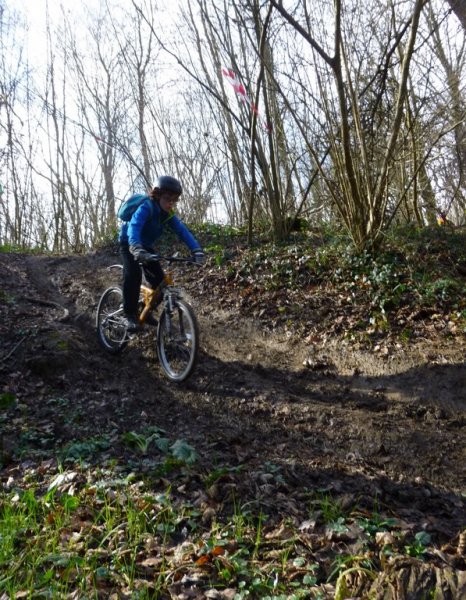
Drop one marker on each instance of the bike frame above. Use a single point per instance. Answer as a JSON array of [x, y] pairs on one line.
[[152, 298]]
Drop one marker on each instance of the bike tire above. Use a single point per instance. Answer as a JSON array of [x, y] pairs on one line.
[[178, 341], [110, 321]]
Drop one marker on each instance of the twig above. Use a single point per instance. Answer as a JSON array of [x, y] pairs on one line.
[[14, 349]]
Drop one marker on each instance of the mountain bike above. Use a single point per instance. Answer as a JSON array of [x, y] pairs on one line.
[[177, 333]]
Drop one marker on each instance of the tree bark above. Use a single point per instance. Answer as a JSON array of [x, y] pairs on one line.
[[459, 8]]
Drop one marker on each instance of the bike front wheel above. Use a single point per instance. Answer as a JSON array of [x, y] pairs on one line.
[[178, 341], [110, 321]]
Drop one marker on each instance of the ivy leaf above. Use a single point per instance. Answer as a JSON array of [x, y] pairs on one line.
[[163, 444], [184, 452], [423, 538], [7, 400]]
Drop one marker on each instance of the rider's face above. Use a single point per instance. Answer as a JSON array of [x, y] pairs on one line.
[[168, 200]]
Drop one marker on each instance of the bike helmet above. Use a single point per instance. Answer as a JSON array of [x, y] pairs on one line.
[[168, 184]]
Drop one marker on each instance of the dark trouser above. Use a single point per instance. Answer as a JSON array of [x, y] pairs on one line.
[[132, 277]]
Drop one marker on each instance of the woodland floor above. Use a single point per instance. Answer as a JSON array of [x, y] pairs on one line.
[[281, 392]]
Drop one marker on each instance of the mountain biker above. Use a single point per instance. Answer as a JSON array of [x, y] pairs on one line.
[[138, 235]]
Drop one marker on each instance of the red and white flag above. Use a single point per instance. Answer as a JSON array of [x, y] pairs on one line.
[[240, 91]]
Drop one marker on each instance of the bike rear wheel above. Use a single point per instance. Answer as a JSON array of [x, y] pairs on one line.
[[178, 341], [110, 321]]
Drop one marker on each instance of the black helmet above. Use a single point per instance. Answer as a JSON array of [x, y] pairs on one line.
[[168, 184]]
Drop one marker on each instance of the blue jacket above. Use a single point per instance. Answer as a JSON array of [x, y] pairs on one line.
[[146, 227]]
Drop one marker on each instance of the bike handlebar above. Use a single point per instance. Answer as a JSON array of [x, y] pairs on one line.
[[170, 259]]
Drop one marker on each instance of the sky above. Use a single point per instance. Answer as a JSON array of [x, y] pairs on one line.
[[34, 14]]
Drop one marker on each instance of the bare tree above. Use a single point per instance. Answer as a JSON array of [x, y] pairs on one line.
[[138, 55], [102, 103], [359, 193], [452, 58], [16, 186], [345, 116]]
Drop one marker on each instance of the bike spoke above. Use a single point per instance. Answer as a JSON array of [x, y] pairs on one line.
[[177, 344], [111, 325]]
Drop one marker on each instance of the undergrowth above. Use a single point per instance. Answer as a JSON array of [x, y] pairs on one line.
[[415, 272], [93, 532]]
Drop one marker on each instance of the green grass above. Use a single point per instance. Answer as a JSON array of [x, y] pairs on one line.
[[113, 531], [18, 249]]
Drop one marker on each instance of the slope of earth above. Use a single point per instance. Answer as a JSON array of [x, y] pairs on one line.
[[280, 401]]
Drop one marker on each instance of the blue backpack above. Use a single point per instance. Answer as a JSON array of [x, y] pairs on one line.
[[129, 207]]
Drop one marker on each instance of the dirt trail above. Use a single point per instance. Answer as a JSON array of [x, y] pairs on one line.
[[330, 417], [336, 412]]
